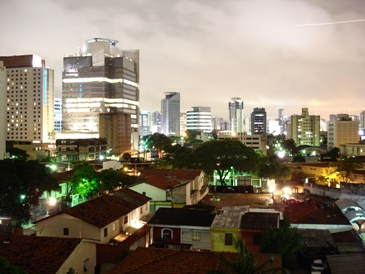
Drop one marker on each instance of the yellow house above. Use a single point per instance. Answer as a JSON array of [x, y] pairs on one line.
[[225, 229]]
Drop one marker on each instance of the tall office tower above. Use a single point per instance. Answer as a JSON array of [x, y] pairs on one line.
[[217, 123], [30, 95], [200, 119], [236, 114], [170, 114], [258, 121], [2, 110], [305, 128], [115, 127], [144, 123], [58, 114], [343, 130], [156, 122], [281, 120], [101, 79], [183, 121], [362, 120]]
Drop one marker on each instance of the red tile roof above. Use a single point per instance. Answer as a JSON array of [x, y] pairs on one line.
[[106, 209], [178, 261], [168, 178], [38, 254], [315, 212]]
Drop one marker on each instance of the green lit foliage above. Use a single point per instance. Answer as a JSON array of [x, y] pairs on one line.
[[222, 156], [290, 146], [110, 179], [286, 240], [21, 184], [246, 263], [6, 267]]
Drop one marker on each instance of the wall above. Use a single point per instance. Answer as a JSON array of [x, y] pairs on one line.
[[354, 192], [187, 238], [157, 194]]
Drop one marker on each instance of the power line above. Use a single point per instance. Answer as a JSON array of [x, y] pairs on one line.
[[331, 23]]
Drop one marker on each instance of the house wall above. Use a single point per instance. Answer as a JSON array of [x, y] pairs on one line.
[[157, 194], [54, 226], [85, 250], [248, 237], [176, 237], [218, 239], [202, 244], [180, 193]]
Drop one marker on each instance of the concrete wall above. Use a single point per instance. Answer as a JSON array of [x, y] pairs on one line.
[[354, 192]]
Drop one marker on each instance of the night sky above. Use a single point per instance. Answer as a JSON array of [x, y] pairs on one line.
[[272, 53]]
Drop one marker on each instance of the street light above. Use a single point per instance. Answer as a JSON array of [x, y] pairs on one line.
[[272, 190]]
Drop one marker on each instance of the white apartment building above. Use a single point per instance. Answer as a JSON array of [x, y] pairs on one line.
[[58, 114], [2, 110], [257, 141], [29, 99], [342, 131], [305, 128]]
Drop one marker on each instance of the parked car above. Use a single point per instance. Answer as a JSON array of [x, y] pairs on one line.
[[284, 197], [291, 201], [318, 265], [228, 190]]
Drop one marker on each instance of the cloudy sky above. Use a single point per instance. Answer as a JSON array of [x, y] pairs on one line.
[[272, 53]]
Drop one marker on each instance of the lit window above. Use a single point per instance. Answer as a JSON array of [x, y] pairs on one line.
[[196, 236]]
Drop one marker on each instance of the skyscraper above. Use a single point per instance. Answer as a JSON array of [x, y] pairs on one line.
[[156, 122], [57, 115], [144, 123], [281, 120], [236, 114], [200, 119], [258, 121], [305, 128], [170, 114], [101, 79], [2, 110], [29, 103]]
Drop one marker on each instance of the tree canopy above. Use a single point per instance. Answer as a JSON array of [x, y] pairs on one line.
[[157, 141], [222, 156], [272, 168], [21, 184], [345, 167], [285, 240], [6, 267]]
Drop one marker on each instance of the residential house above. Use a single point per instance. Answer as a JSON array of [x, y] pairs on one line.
[[225, 229], [179, 261], [254, 222], [49, 255], [188, 227], [172, 187], [315, 214], [100, 219]]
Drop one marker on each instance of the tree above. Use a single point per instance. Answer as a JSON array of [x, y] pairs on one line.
[[290, 146], [127, 156], [176, 156], [272, 168], [85, 181], [245, 263], [334, 153], [6, 267], [157, 141], [285, 240], [111, 179], [345, 167], [21, 185], [222, 156]]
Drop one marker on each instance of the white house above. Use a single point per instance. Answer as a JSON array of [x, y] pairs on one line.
[[172, 186], [100, 219]]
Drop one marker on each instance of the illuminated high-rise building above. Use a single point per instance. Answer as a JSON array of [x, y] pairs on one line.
[[30, 99], [305, 128], [2, 110], [236, 114], [58, 114], [101, 79], [199, 119], [170, 114], [144, 123], [258, 121]]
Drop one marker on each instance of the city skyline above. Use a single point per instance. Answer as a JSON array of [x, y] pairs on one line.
[[272, 54]]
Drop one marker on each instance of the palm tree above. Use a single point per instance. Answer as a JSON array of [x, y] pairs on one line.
[[245, 263]]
